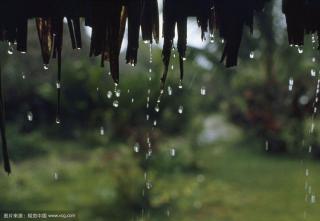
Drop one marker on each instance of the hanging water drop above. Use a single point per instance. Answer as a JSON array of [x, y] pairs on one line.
[[101, 131], [115, 103], [30, 116], [109, 94], [136, 147], [203, 91], [180, 109]]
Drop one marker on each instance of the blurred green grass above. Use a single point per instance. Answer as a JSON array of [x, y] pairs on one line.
[[222, 181]]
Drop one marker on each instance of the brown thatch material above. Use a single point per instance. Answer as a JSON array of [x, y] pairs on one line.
[[108, 19]]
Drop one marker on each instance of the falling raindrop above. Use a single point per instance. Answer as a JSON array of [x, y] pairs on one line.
[[180, 85], [45, 66], [251, 55], [115, 103], [148, 185], [109, 94], [118, 93], [172, 152], [310, 149], [184, 58], [313, 198], [147, 116], [313, 72], [155, 123], [57, 120], [180, 109], [23, 75], [132, 100], [58, 85], [30, 116], [203, 91], [136, 147], [55, 176], [291, 82], [300, 50], [267, 145], [172, 67], [150, 70], [313, 59], [169, 91], [307, 172], [211, 38], [101, 131], [157, 108], [10, 50]]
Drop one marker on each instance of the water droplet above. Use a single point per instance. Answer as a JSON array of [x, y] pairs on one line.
[[57, 120], [136, 147], [118, 93], [23, 52], [10, 50], [313, 198], [184, 59], [300, 50], [155, 123], [313, 59], [132, 100], [267, 145], [109, 94], [180, 109], [147, 116], [45, 66], [313, 72], [180, 85], [291, 82], [172, 67], [23, 75], [251, 55], [150, 78], [55, 176], [172, 152], [150, 70], [148, 185], [30, 116], [203, 91], [169, 91], [115, 103], [157, 108], [101, 131], [58, 85], [307, 172], [310, 149]]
